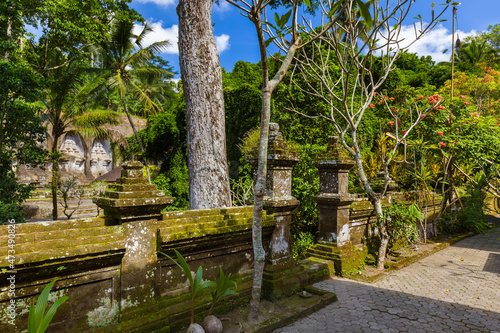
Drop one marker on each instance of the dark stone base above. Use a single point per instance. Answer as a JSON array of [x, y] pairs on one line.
[[282, 280], [341, 261]]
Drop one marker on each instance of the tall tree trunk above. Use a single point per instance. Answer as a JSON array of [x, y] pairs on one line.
[[202, 83], [260, 182], [54, 183], [139, 142]]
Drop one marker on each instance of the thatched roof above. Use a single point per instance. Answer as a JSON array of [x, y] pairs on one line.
[[111, 176]]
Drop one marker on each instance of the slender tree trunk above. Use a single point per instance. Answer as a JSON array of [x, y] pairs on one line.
[[377, 203], [384, 237], [202, 84], [54, 184], [260, 182], [8, 35], [141, 147]]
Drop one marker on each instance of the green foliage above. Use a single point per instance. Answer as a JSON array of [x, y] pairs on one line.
[[305, 185], [11, 211], [222, 288], [250, 143], [401, 221], [301, 244], [196, 283], [242, 189], [471, 217], [39, 319], [21, 132]]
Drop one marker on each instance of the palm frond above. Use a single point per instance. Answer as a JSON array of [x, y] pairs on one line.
[[97, 118]]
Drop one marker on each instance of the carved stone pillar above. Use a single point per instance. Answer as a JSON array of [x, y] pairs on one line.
[[334, 240], [136, 205], [282, 275]]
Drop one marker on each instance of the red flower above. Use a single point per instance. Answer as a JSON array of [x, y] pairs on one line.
[[482, 63], [371, 106], [440, 133], [392, 123], [462, 96], [374, 94], [422, 116], [442, 144], [392, 99], [420, 97], [403, 131], [466, 102], [399, 123]]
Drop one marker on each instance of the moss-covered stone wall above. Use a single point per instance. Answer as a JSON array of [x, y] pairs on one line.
[[111, 274]]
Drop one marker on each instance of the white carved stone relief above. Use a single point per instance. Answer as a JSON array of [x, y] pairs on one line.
[[101, 157]]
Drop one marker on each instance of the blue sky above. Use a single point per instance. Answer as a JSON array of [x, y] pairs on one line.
[[236, 39]]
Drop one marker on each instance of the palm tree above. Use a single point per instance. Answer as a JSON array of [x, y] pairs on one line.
[[125, 64], [473, 52], [65, 116]]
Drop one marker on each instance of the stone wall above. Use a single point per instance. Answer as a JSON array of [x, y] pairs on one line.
[[362, 215], [95, 265]]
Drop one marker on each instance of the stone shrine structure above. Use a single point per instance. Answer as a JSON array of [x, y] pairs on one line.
[[86, 159]]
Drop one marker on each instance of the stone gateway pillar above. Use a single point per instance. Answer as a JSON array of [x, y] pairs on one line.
[[282, 275], [136, 205], [334, 239]]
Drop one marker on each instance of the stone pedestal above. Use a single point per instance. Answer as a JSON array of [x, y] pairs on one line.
[[136, 205], [132, 198], [282, 275], [334, 240]]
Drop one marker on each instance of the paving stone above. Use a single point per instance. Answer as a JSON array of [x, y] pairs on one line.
[[414, 299]]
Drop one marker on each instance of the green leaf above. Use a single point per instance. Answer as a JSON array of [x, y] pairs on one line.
[[307, 3], [365, 13], [50, 314], [334, 9], [277, 19], [285, 18], [432, 5], [269, 41]]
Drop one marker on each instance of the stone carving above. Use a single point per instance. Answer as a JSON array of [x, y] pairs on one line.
[[101, 157]]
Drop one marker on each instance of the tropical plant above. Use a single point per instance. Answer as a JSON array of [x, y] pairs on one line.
[[65, 115], [125, 63], [39, 319], [222, 288], [400, 220], [195, 283]]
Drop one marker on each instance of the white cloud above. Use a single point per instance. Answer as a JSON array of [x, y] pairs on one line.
[[171, 34], [222, 42], [159, 34], [163, 3], [222, 7], [433, 43]]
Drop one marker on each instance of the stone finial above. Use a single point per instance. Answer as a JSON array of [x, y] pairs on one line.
[[274, 129], [335, 156], [132, 198]]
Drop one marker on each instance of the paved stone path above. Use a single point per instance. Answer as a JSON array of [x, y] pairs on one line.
[[454, 290]]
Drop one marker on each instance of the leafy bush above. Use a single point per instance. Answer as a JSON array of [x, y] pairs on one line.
[[471, 216], [11, 212], [305, 185], [301, 244], [401, 223]]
